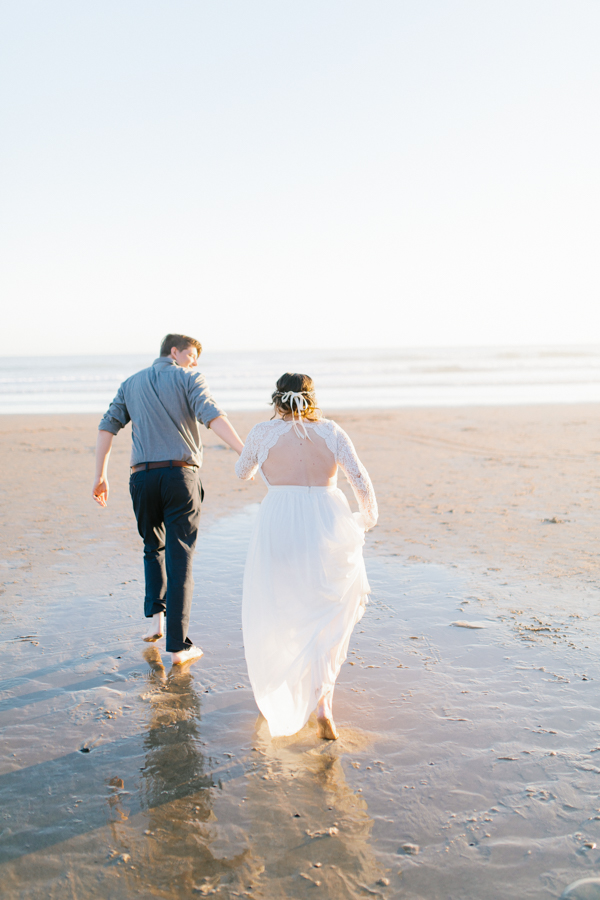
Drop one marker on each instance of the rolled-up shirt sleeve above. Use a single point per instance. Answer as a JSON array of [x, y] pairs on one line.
[[201, 401], [116, 416]]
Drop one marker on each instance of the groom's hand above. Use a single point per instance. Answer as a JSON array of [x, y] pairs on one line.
[[100, 491], [103, 446]]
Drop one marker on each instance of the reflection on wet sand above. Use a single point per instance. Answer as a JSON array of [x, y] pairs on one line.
[[485, 775], [176, 791], [151, 815], [175, 764], [284, 822], [306, 825]]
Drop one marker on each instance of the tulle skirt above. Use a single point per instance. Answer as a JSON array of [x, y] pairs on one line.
[[305, 588]]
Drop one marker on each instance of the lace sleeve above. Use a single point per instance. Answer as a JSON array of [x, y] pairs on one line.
[[247, 464], [348, 461], [256, 449]]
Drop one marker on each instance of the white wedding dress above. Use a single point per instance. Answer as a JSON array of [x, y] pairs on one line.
[[305, 584]]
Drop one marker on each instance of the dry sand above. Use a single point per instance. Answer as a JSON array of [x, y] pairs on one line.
[[466, 767], [503, 487]]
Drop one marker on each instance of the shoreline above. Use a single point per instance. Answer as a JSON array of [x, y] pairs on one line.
[[255, 412]]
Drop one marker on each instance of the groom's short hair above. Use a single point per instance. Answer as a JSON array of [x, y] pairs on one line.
[[181, 341]]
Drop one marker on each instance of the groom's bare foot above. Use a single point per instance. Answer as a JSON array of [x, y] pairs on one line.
[[157, 628], [186, 656]]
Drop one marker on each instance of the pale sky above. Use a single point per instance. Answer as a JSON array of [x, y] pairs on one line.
[[299, 173]]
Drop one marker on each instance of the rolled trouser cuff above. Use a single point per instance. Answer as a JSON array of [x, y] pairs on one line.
[[152, 607]]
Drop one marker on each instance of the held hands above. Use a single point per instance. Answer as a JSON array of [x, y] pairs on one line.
[[100, 491]]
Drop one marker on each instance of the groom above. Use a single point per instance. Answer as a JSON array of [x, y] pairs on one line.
[[165, 404]]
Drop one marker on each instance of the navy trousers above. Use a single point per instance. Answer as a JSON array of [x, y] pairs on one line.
[[166, 503]]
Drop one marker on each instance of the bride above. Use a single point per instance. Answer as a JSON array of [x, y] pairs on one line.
[[305, 585]]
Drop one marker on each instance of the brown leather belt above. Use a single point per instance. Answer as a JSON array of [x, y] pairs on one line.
[[164, 464]]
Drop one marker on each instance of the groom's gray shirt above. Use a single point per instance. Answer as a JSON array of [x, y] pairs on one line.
[[164, 403]]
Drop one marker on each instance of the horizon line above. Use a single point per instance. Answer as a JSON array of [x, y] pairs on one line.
[[572, 347]]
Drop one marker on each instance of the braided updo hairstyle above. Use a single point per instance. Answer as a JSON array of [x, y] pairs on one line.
[[294, 381]]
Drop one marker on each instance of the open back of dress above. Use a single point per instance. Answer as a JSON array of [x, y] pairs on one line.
[[305, 585]]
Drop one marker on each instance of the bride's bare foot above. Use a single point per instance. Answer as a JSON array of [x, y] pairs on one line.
[[327, 729], [186, 656], [157, 628]]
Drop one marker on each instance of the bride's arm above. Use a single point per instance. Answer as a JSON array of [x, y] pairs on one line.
[[348, 461], [247, 464]]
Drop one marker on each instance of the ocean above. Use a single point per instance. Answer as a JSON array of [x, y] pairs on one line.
[[344, 379]]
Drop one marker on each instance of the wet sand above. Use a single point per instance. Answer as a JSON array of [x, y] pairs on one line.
[[467, 761]]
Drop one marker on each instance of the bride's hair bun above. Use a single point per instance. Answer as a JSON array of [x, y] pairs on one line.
[[299, 384]]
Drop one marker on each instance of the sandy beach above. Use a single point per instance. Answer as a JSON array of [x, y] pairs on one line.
[[478, 486], [467, 761]]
